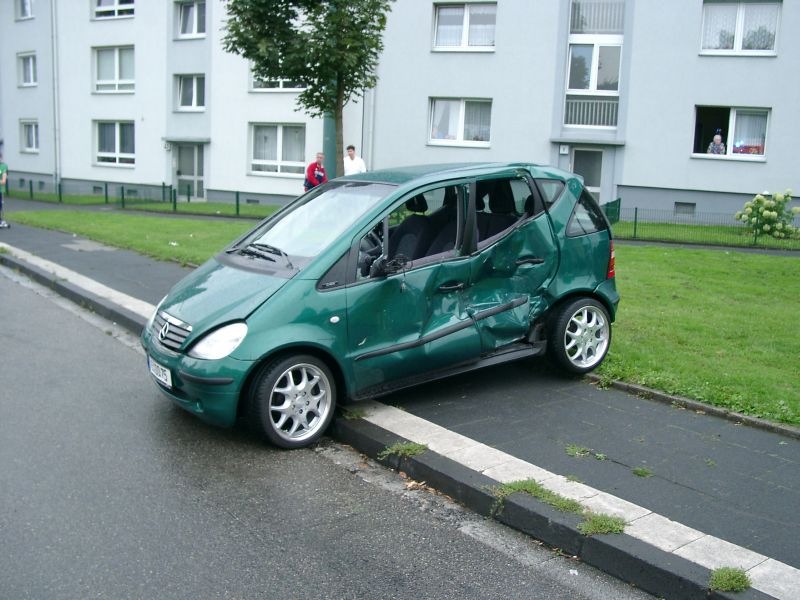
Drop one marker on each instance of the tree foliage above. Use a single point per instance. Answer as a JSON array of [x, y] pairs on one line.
[[330, 46]]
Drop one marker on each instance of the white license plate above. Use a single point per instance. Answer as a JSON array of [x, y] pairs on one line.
[[160, 372]]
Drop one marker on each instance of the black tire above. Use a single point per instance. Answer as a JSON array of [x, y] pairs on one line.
[[579, 335], [292, 400]]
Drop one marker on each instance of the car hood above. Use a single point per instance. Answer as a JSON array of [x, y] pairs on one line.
[[217, 293]]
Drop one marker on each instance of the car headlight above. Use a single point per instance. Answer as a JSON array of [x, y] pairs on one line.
[[220, 342]]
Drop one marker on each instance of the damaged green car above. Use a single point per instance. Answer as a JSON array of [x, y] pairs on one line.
[[383, 280]]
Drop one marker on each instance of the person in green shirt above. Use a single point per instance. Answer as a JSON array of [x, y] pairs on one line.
[[3, 177]]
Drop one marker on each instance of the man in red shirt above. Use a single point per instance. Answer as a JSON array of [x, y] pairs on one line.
[[315, 173]]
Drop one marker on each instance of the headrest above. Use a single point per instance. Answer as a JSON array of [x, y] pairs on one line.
[[417, 204], [450, 196], [501, 201]]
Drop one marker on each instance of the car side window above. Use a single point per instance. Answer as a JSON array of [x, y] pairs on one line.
[[587, 217], [423, 225], [499, 204], [551, 189]]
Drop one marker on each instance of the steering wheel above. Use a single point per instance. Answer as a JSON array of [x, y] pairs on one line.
[[370, 248]]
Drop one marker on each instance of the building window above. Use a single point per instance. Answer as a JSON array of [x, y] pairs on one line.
[[110, 9], [116, 143], [265, 85], [593, 71], [742, 131], [191, 92], [465, 27], [740, 27], [27, 70], [460, 122], [114, 69], [278, 148], [24, 9], [192, 19], [29, 136]]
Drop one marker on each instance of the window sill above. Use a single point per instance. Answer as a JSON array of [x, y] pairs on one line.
[[113, 92], [28, 85], [750, 53], [731, 157], [114, 165], [459, 144], [28, 18], [29, 151], [276, 90], [112, 17], [189, 36], [297, 176], [190, 109], [467, 49]]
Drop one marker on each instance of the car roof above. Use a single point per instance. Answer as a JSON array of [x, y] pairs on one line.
[[432, 172]]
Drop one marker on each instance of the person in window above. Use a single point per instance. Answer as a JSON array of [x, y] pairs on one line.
[[353, 164], [315, 173], [717, 146]]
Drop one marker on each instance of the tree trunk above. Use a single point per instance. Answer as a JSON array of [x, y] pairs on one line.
[[338, 118]]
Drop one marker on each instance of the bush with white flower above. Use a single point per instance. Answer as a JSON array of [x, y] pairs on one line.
[[769, 214]]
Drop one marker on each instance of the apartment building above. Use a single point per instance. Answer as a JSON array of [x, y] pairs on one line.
[[628, 93]]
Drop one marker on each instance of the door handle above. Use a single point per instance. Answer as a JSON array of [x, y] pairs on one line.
[[530, 260], [452, 287]]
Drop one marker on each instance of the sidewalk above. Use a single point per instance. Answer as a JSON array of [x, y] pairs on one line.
[[720, 493]]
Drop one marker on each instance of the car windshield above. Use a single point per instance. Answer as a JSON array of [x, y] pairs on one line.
[[320, 218]]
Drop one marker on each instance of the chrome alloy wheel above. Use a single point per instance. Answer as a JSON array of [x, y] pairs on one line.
[[586, 337], [300, 403]]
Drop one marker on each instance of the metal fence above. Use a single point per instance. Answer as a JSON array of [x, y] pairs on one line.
[[716, 229]]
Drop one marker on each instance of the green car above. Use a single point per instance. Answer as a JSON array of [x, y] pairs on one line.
[[383, 280]]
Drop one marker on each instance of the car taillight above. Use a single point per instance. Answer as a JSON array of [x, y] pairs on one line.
[[611, 261]]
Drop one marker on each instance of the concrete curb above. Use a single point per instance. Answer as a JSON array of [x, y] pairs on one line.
[[97, 304], [631, 560]]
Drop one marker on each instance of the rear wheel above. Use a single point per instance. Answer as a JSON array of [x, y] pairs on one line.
[[580, 335], [293, 400]]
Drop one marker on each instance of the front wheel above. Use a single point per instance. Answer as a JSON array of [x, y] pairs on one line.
[[580, 335], [293, 400]]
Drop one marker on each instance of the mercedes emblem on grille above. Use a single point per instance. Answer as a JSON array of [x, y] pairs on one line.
[[164, 331]]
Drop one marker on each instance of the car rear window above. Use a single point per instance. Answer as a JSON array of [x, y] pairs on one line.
[[587, 217]]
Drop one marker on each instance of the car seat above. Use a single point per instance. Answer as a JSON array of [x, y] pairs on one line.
[[414, 235]]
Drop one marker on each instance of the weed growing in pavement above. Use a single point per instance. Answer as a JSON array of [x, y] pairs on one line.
[[576, 451], [642, 472], [729, 579], [402, 449], [351, 414], [598, 523], [538, 491]]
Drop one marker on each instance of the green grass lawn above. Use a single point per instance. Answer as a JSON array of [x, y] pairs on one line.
[[713, 325], [713, 235]]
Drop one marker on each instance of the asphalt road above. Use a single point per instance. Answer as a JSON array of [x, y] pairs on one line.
[[108, 491]]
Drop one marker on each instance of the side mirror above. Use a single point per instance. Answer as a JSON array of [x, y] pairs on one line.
[[384, 266]]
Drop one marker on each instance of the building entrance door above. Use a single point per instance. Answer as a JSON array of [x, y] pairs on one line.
[[589, 165], [189, 171]]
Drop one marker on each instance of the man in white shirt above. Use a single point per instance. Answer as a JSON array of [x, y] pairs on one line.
[[353, 164]]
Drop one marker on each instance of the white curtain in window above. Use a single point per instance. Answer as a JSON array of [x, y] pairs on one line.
[[449, 23], [750, 132], [597, 16], [105, 65], [719, 25], [477, 121], [106, 137], [294, 143], [187, 18], [127, 143], [481, 24], [265, 142], [445, 119], [126, 64], [760, 23]]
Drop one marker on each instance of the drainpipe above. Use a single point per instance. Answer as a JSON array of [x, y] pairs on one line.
[[56, 95]]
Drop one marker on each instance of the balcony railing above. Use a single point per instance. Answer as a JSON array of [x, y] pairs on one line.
[[591, 112]]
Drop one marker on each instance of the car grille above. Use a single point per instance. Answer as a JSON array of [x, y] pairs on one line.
[[169, 331]]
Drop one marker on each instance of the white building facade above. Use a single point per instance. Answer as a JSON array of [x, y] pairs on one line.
[[628, 93]]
